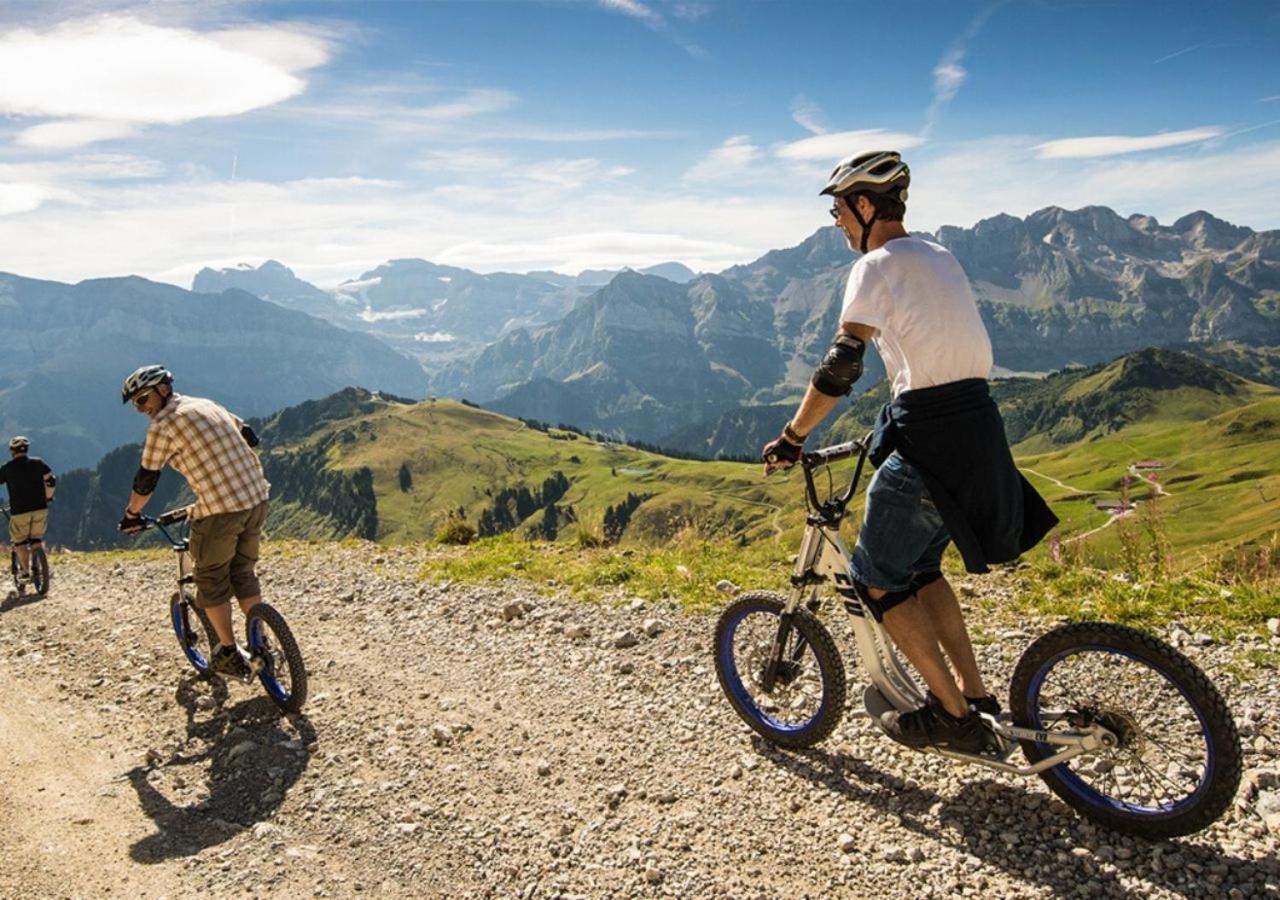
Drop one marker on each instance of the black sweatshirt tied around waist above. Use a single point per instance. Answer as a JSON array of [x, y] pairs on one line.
[[954, 435]]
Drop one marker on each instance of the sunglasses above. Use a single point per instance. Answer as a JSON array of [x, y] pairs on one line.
[[140, 400], [835, 212]]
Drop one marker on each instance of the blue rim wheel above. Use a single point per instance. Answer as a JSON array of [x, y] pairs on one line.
[[272, 645], [807, 699], [39, 571], [1177, 764], [193, 631]]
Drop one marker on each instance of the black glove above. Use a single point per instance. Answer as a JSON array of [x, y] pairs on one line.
[[130, 523], [780, 453]]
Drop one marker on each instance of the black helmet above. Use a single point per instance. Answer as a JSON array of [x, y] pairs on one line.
[[143, 378]]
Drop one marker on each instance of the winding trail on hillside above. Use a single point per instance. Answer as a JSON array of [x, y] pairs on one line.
[[1061, 484], [465, 741]]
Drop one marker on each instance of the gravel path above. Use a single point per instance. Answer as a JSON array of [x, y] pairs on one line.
[[465, 741]]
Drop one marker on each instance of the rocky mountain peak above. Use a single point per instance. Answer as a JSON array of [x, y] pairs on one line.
[[1207, 232]]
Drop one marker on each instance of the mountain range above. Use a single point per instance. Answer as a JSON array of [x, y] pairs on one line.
[[647, 358], [71, 347], [431, 312]]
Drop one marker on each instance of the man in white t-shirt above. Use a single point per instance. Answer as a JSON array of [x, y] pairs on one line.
[[911, 298]]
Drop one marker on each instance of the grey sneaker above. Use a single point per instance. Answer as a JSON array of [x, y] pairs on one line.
[[230, 661]]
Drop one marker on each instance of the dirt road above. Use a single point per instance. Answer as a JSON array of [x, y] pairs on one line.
[[489, 742]]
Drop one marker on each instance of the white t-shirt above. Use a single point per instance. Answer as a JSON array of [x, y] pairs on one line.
[[916, 296]]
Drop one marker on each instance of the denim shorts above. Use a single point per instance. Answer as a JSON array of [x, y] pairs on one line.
[[902, 534]]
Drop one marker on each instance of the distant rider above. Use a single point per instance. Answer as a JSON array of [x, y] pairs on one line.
[[30, 482], [212, 450], [945, 470]]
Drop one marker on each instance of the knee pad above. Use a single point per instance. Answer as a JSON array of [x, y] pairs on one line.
[[885, 603], [923, 579]]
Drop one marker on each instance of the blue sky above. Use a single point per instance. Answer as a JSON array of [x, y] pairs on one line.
[[515, 136]]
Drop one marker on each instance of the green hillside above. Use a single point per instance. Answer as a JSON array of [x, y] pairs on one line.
[[440, 459], [1075, 434]]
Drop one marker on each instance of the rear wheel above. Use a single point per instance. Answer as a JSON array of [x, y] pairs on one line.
[[796, 701], [18, 584], [1176, 765], [271, 644], [194, 631], [40, 570]]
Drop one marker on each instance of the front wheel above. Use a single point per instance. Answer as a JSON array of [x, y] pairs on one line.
[[194, 631], [794, 697], [271, 645], [1177, 763]]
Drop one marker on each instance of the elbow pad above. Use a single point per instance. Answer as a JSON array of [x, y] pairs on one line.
[[145, 481], [50, 481], [250, 436], [841, 367]]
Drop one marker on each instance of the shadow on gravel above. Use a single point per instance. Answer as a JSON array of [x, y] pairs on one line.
[[14, 601], [976, 819], [1177, 866], [251, 760]]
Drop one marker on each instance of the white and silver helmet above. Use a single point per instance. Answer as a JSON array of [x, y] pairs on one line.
[[20, 444], [143, 378], [878, 172]]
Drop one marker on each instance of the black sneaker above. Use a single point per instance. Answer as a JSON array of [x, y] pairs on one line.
[[933, 726], [229, 661]]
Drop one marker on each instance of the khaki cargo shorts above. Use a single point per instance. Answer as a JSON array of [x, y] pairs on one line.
[[27, 527], [224, 547]]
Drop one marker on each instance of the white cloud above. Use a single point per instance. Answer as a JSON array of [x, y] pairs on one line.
[[731, 158], [72, 133], [948, 73], [395, 315], [957, 187], [17, 197], [1115, 144], [833, 146], [566, 173], [636, 10], [465, 161], [104, 73], [83, 167], [808, 115]]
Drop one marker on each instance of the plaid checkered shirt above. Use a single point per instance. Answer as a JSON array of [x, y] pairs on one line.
[[202, 441]]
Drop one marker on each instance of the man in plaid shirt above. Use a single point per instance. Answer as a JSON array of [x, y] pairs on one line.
[[213, 451]]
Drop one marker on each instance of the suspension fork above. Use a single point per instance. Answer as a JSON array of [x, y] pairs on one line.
[[803, 575]]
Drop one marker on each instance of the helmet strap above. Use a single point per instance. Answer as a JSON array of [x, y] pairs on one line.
[[865, 223]]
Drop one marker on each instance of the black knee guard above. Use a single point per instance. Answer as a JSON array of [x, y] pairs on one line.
[[879, 606]]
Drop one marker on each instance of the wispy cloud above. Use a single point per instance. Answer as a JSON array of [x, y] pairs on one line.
[[808, 115], [1177, 53], [636, 10], [1116, 144], [692, 11], [644, 12], [727, 160], [834, 145], [128, 73], [949, 74], [1270, 99]]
